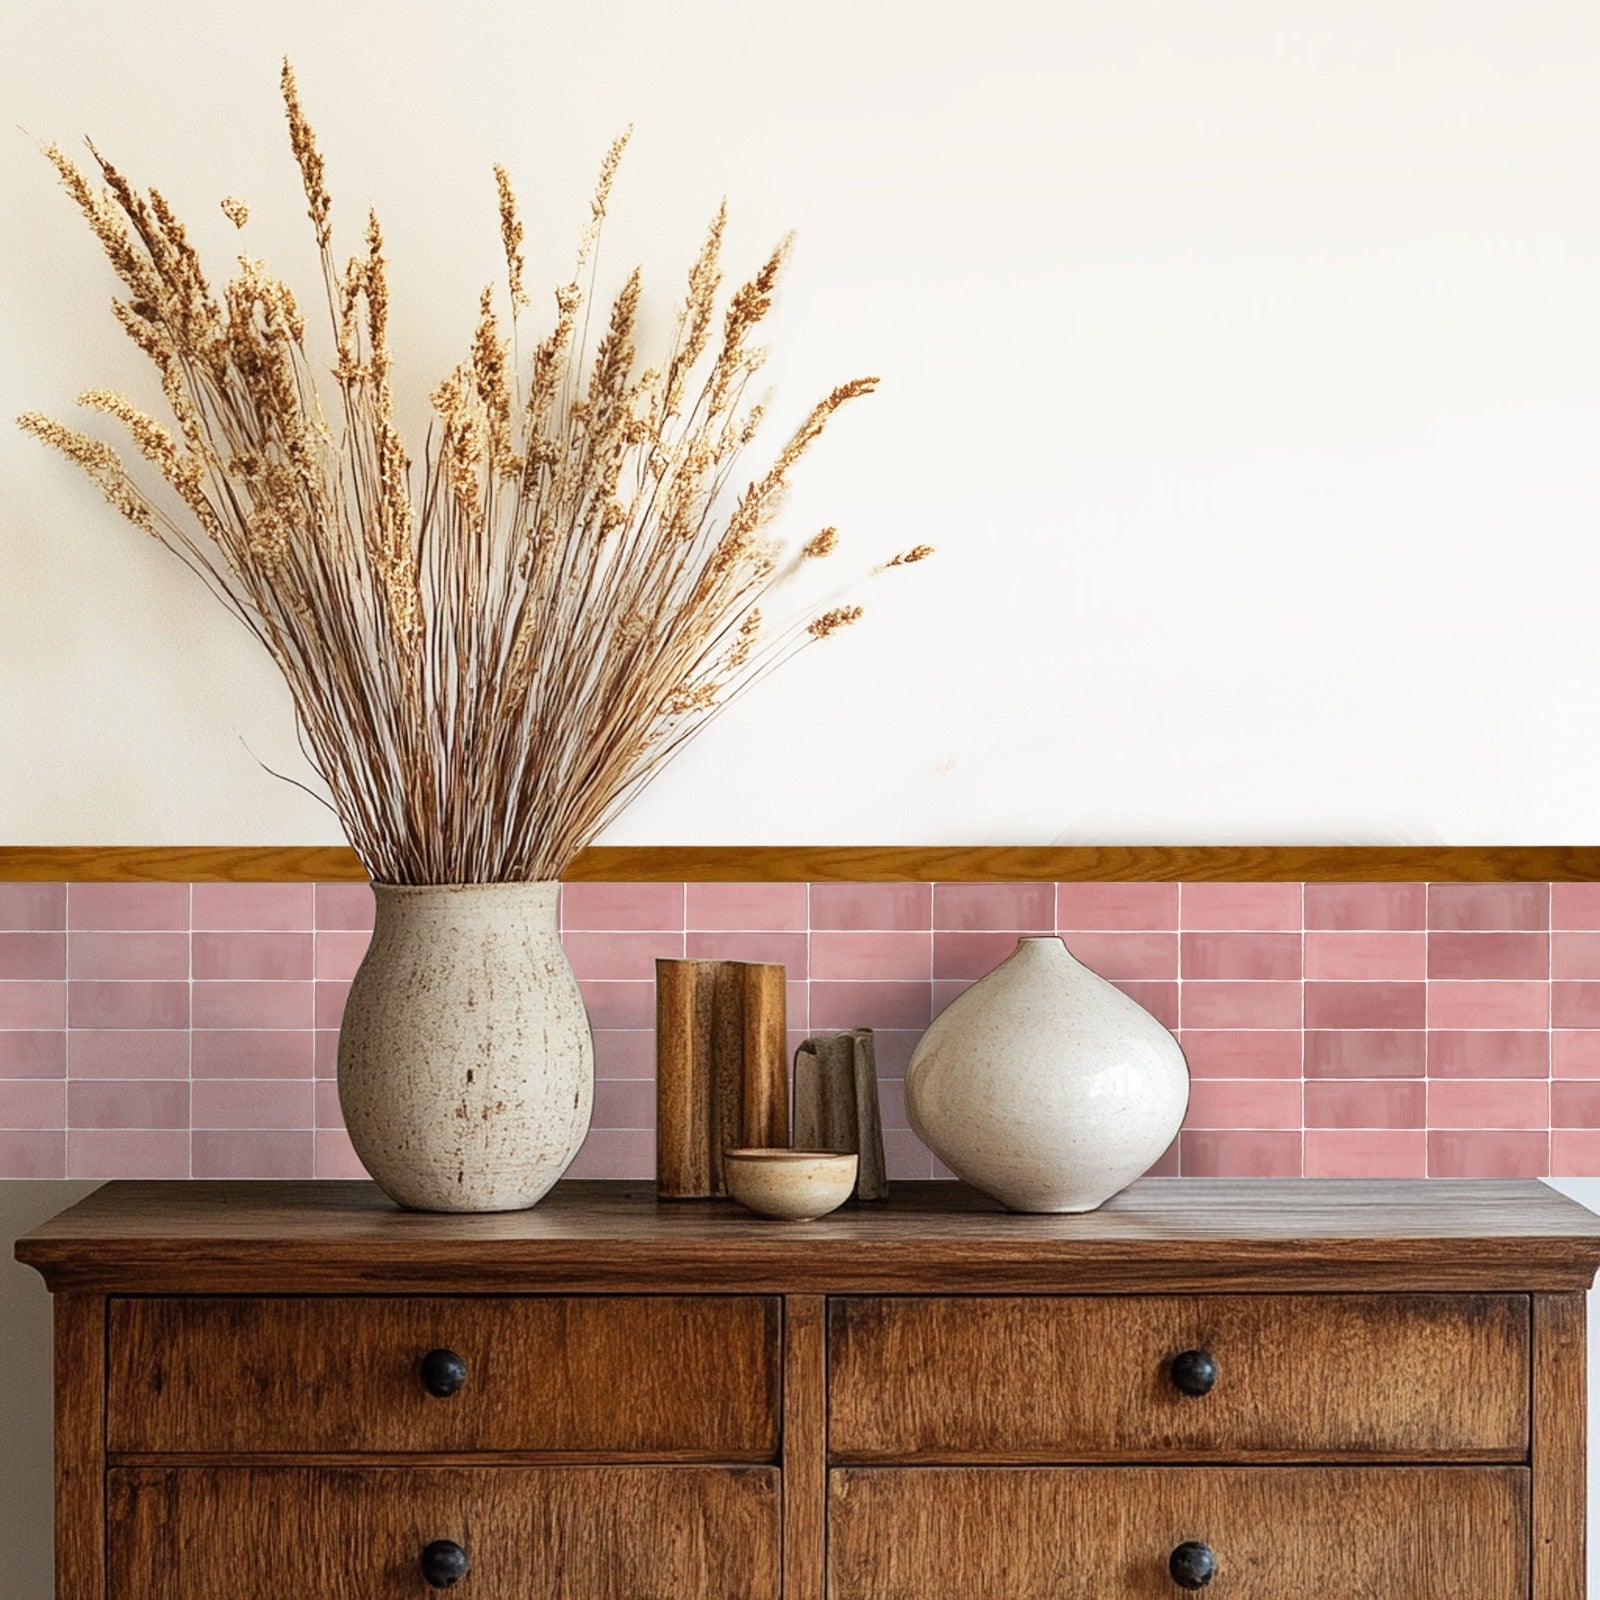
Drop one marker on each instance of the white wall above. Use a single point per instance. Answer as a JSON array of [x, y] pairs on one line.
[[1242, 359]]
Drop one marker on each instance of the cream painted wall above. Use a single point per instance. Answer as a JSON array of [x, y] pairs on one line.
[[1242, 359]]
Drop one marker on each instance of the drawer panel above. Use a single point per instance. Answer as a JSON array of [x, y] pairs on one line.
[[664, 1377], [1084, 1533], [352, 1533], [1297, 1377]]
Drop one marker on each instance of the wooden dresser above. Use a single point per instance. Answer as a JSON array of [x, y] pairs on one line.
[[1267, 1390]]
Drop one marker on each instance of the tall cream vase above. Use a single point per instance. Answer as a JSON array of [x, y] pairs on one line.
[[466, 1066]]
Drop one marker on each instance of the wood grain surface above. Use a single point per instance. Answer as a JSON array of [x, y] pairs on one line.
[[1377, 1533], [557, 1533], [805, 1445], [1300, 1378], [853, 863], [1163, 1235], [650, 1377], [1560, 1411], [79, 1357]]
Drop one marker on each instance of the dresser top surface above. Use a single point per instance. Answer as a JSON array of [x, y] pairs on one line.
[[1163, 1233]]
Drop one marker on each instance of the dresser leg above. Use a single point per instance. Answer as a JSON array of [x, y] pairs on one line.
[[80, 1388], [805, 1447], [1560, 1399]]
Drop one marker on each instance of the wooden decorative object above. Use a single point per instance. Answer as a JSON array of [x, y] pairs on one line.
[[1299, 1387], [836, 1103], [720, 1078]]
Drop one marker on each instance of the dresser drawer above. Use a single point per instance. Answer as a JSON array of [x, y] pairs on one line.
[[351, 1533], [1379, 1533], [670, 1378], [1302, 1377]]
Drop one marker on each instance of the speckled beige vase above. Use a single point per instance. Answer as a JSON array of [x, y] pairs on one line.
[[466, 1067], [1046, 1087]]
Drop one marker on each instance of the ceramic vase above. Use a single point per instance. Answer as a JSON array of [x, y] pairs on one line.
[[466, 1067], [1044, 1086]]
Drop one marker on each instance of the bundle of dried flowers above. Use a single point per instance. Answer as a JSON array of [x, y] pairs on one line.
[[489, 658]]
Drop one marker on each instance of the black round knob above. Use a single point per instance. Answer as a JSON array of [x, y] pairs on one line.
[[445, 1563], [443, 1372], [1194, 1372], [1192, 1565]]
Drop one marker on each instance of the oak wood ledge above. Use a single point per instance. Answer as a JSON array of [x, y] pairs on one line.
[[1162, 1235]]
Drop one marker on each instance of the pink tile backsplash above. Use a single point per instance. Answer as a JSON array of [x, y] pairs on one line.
[[176, 1030]]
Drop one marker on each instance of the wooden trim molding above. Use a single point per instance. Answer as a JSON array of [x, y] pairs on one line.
[[856, 864]]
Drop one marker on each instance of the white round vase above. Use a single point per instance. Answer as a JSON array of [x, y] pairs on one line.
[[466, 1067], [1046, 1087]]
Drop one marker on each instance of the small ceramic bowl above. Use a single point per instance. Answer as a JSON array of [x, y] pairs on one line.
[[796, 1185]]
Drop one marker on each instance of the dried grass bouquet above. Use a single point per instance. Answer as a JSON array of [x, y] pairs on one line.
[[489, 658]]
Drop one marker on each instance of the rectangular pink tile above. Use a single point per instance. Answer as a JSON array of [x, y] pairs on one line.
[[1366, 906], [1491, 907], [893, 1047], [139, 1103], [619, 1005], [892, 1102], [616, 1153], [1366, 1103], [134, 1053], [328, 1004], [324, 1053], [1384, 956], [343, 905], [1575, 1005], [616, 907], [33, 1155], [128, 905], [624, 1053], [871, 955], [1169, 1163], [1489, 1103], [1241, 1005], [1366, 1153], [1489, 955], [1488, 1005], [1159, 999], [1250, 1053], [253, 1005], [93, 1004], [1100, 907], [325, 1108], [253, 1153], [625, 1103], [1575, 955], [1575, 1053], [1243, 1103], [252, 1053], [1366, 1053], [970, 955], [1242, 1153], [333, 1156], [717, 907], [946, 990], [1366, 1005], [257, 1103], [264, 956], [36, 1103], [1127, 955], [40, 1053], [1025, 907], [258, 907], [786, 949], [1575, 905], [129, 955], [1488, 1053], [1259, 907], [29, 1003], [1574, 1153], [33, 955], [37, 905], [622, 956], [128, 1153], [339, 952], [871, 1005], [1572, 1105], [1495, 1154], [906, 906], [1241, 955], [905, 1155]]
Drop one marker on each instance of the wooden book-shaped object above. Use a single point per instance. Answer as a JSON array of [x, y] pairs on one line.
[[836, 1104], [721, 1079]]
